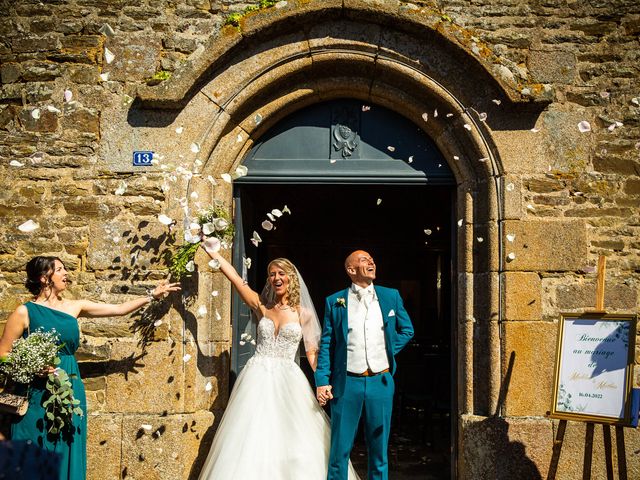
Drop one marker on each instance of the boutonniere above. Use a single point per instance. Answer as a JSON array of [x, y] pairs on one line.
[[341, 302]]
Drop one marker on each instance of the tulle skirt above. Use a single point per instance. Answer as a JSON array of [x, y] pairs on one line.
[[273, 427]]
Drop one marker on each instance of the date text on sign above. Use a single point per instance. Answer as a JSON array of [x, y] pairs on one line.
[[142, 158]]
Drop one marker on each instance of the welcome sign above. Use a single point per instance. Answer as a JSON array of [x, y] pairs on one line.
[[594, 367]]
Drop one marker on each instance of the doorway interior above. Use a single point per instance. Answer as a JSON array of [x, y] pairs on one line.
[[408, 231]]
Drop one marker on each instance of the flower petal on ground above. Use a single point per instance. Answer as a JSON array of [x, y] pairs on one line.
[[584, 126]]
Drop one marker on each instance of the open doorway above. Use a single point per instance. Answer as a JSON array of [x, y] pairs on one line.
[[408, 231]]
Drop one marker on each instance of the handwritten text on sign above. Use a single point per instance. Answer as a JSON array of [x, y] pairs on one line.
[[592, 377]]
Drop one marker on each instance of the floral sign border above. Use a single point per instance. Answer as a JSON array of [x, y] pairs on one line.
[[593, 377]]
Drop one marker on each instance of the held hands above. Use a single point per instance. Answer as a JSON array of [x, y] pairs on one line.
[[164, 289], [323, 394]]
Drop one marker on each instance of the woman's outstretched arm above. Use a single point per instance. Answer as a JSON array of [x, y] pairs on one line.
[[248, 295]]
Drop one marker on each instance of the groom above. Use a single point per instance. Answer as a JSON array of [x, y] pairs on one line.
[[365, 326]]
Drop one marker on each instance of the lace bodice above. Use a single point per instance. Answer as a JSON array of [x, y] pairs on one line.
[[283, 345]]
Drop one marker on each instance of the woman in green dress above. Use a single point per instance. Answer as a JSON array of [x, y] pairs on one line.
[[46, 280]]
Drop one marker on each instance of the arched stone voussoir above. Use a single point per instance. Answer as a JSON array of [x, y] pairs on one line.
[[422, 37]]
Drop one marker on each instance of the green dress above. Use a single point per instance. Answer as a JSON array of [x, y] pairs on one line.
[[71, 445]]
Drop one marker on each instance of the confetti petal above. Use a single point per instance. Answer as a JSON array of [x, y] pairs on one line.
[[53, 109], [218, 316], [410, 159], [435, 113], [480, 239], [163, 219], [68, 95], [584, 126], [425, 117], [605, 94], [271, 217], [146, 427], [104, 77], [366, 108], [157, 323], [378, 201], [511, 237], [179, 130], [122, 187], [35, 113], [428, 231], [226, 177], [186, 358], [496, 101], [202, 310], [28, 226], [195, 147], [208, 387], [460, 222], [215, 293], [467, 126], [276, 213], [391, 149], [241, 171], [285, 209], [267, 225], [257, 118], [242, 342], [636, 101], [449, 115], [510, 187], [482, 116], [106, 30], [511, 257], [239, 138], [194, 195], [247, 262], [535, 130], [190, 267], [108, 55], [483, 159], [15, 163], [214, 264]]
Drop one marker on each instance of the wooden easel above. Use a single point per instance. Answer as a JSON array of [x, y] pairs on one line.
[[590, 426]]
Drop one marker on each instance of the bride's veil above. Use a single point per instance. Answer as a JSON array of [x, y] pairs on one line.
[[309, 321]]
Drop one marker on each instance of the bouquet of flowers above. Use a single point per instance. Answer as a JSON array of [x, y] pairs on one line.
[[214, 221], [29, 357]]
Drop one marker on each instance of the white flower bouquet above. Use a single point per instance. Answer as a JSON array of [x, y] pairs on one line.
[[30, 357], [214, 221]]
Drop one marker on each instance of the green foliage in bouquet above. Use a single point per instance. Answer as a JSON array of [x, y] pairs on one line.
[[214, 221], [60, 405]]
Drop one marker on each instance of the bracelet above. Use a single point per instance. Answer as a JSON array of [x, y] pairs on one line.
[[150, 295]]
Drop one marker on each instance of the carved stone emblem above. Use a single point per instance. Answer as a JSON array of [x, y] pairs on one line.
[[345, 137]]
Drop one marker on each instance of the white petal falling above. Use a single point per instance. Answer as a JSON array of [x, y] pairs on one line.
[[217, 315], [483, 159], [242, 342], [208, 387], [15, 163], [239, 138], [28, 226], [179, 130], [410, 160], [276, 213], [267, 225], [510, 187], [202, 310], [253, 342], [605, 94], [108, 55], [195, 147], [215, 293], [480, 239], [366, 108], [104, 77], [511, 257], [157, 323], [535, 130], [53, 109], [333, 160], [208, 228], [194, 195], [186, 358], [425, 117], [242, 171], [271, 217], [482, 116], [190, 266], [35, 113], [107, 30], [511, 237], [122, 187], [496, 101], [163, 219], [467, 126], [285, 209], [435, 113], [226, 177], [255, 238], [531, 207], [391, 148], [198, 162], [428, 231], [244, 336], [68, 95], [449, 115], [460, 222], [636, 101], [584, 126], [214, 264], [146, 426], [257, 118], [378, 201], [247, 262]]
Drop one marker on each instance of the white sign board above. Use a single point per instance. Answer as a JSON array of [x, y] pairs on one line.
[[594, 367]]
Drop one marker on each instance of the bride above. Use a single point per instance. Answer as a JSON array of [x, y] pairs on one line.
[[273, 427]]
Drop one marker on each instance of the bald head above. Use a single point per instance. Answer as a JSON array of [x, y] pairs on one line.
[[361, 268]]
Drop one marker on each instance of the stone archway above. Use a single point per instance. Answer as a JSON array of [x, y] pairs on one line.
[[241, 84]]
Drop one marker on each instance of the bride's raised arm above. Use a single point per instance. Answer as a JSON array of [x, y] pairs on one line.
[[248, 295]]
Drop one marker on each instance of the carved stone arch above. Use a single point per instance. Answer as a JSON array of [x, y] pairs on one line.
[[243, 83]]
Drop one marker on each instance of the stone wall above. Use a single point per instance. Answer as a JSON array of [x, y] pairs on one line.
[[68, 121]]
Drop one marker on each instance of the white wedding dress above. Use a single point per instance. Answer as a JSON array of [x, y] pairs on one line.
[[273, 427]]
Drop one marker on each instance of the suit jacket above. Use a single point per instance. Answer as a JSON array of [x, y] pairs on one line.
[[332, 356]]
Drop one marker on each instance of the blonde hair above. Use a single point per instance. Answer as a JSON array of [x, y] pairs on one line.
[[293, 289]]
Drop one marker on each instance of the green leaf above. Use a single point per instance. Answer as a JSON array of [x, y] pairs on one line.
[[50, 416]]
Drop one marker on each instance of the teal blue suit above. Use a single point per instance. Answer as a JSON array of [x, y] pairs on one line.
[[357, 396]]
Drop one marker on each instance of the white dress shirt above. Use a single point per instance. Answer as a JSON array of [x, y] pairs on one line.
[[366, 348]]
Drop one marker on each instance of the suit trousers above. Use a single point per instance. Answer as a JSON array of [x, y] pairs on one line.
[[371, 398]]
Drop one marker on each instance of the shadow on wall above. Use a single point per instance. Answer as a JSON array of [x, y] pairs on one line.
[[487, 450]]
